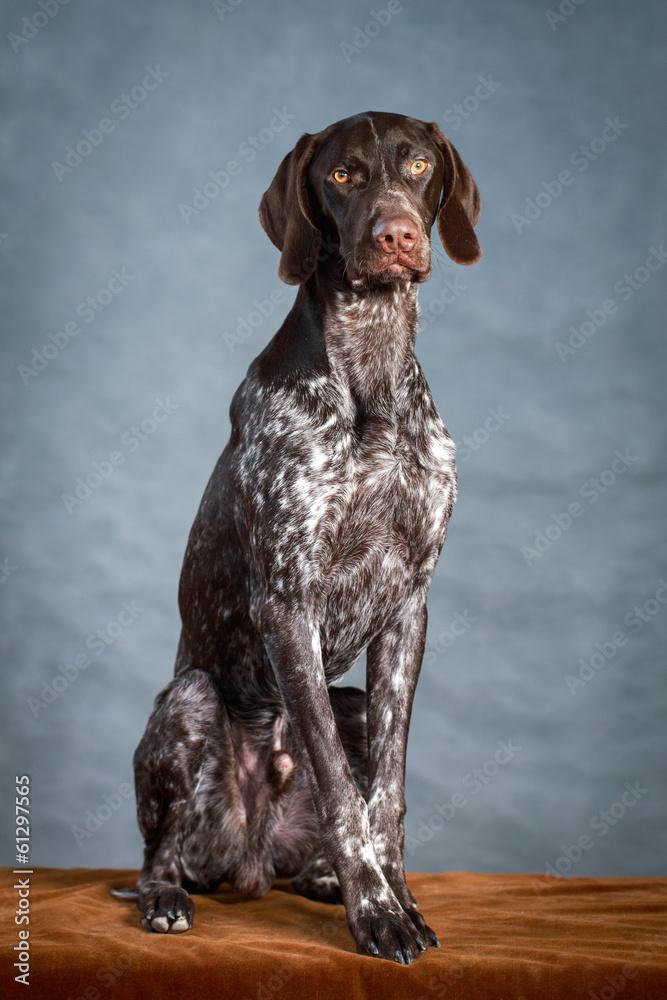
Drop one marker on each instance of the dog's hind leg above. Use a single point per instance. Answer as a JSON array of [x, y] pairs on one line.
[[319, 882], [186, 748]]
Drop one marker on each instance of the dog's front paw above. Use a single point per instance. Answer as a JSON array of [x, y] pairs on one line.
[[167, 911], [425, 932], [386, 930], [395, 876]]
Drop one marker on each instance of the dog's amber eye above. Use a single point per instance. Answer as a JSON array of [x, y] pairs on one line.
[[341, 176], [418, 167]]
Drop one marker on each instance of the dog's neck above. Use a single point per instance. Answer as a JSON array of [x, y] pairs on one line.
[[369, 338]]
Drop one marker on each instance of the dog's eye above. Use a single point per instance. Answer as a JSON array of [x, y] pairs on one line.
[[418, 167], [341, 176]]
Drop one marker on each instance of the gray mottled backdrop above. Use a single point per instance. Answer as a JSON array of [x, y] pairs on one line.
[[138, 286]]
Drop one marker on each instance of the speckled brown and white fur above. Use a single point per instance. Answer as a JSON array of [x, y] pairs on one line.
[[316, 539]]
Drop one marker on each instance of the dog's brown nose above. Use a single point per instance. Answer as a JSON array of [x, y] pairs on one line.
[[396, 234]]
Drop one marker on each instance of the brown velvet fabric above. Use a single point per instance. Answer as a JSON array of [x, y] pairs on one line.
[[520, 937]]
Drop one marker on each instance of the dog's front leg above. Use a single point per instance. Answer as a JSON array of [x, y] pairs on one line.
[[393, 665], [377, 920]]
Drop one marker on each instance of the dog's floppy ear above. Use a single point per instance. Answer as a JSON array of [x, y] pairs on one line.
[[460, 205], [286, 215]]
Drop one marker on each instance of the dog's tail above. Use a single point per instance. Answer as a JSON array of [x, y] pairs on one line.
[[125, 893]]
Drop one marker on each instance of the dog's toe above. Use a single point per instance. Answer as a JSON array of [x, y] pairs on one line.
[[160, 924]]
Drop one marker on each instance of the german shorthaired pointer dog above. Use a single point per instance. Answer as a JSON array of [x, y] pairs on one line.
[[316, 539]]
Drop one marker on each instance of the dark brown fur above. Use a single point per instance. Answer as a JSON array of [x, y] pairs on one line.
[[316, 539]]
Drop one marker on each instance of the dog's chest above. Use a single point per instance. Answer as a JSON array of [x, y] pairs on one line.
[[388, 449], [379, 517], [392, 484], [346, 476]]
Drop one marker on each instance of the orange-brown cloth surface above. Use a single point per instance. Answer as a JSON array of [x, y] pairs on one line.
[[520, 937]]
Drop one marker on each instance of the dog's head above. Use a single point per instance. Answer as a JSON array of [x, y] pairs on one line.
[[372, 186]]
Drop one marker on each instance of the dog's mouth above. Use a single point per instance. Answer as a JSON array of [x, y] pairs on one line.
[[383, 271]]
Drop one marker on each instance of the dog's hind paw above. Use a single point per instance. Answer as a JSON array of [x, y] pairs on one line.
[[168, 911]]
